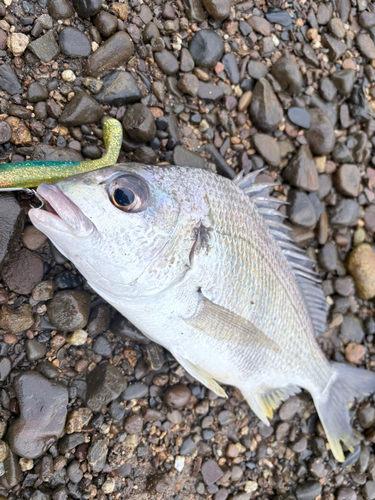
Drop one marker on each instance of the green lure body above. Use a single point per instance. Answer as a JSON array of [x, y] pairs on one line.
[[29, 174]]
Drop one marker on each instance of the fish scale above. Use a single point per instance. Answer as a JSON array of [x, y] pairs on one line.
[[201, 270]]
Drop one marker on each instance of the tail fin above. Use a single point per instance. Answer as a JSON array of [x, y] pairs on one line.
[[346, 384]]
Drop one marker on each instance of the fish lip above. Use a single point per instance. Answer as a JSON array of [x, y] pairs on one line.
[[61, 210]]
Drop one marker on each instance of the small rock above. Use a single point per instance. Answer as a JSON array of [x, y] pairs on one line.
[[177, 396], [87, 8], [16, 320], [354, 353], [9, 81], [99, 319], [74, 43], [189, 84], [5, 133], [265, 109], [301, 171], [320, 135], [69, 310], [45, 152], [135, 391], [77, 420], [268, 149], [206, 48], [60, 9], [35, 350], [17, 43], [194, 10], [80, 110], [361, 266], [300, 117], [308, 490], [5, 368], [106, 23], [105, 383], [287, 73], [12, 219], [217, 9], [78, 337], [119, 88], [43, 408], [366, 417], [97, 455], [209, 91], [45, 47], [167, 62], [139, 123], [289, 408], [301, 210], [102, 346], [211, 472], [185, 157], [348, 180], [366, 46], [345, 213], [260, 25], [231, 68], [22, 271], [116, 51], [367, 20], [257, 70], [328, 257], [336, 47], [32, 238], [133, 424], [186, 61], [344, 80]]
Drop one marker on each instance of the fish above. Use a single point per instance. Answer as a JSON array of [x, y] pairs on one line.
[[205, 266], [28, 174]]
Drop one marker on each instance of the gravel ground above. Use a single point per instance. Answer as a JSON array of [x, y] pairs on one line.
[[89, 408]]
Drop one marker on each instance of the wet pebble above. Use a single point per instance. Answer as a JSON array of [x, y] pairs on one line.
[[35, 350], [22, 271], [119, 88], [299, 116], [167, 62], [74, 43], [80, 110], [43, 408], [45, 47], [12, 220], [116, 51], [348, 180], [32, 238], [344, 80], [177, 396], [211, 472], [361, 266], [366, 46], [301, 210], [257, 70], [139, 123], [77, 420], [206, 48], [308, 490], [217, 9], [135, 391], [104, 384], [69, 310], [265, 109], [301, 170], [289, 408], [287, 73], [320, 135], [134, 424], [97, 455], [60, 9], [87, 8], [268, 149]]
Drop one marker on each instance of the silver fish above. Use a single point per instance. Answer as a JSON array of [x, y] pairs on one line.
[[203, 266]]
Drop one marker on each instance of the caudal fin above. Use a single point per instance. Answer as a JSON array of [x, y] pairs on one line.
[[347, 383]]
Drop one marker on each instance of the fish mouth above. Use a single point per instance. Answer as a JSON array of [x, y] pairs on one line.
[[60, 213]]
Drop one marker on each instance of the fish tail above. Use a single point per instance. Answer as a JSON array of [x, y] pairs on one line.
[[345, 384]]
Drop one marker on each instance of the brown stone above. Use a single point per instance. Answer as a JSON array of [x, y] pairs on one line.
[[23, 271], [361, 266], [354, 352]]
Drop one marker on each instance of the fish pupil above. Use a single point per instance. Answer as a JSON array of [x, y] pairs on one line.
[[123, 197]]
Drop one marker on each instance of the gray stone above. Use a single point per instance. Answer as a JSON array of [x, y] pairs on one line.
[[301, 170], [45, 152], [206, 48], [308, 490], [231, 68], [9, 81], [22, 271], [37, 92], [116, 51], [260, 25], [186, 61], [299, 116], [104, 384], [320, 135], [80, 110], [351, 330], [366, 46], [268, 149], [97, 455], [35, 350], [5, 368], [217, 9], [211, 472], [135, 391], [43, 409], [45, 47], [12, 220], [344, 80], [194, 10], [74, 43], [209, 91], [139, 123], [348, 180], [344, 214], [287, 73], [60, 9], [186, 157], [69, 310], [257, 69], [301, 210], [119, 88], [87, 8], [336, 47], [265, 109], [167, 62]]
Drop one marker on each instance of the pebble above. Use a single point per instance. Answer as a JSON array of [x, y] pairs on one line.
[[217, 9], [133, 424], [265, 109], [87, 8], [300, 117], [80, 110], [177, 396], [366, 19], [32, 238], [102, 346], [206, 48], [44, 152], [74, 472], [119, 88], [344, 80], [45, 47], [348, 180], [336, 48], [69, 310], [308, 490], [99, 320], [135, 391], [289, 408], [167, 62], [35, 350], [12, 220], [60, 9], [268, 149], [74, 43], [139, 123], [106, 23], [194, 10], [22, 271], [78, 337], [116, 51], [188, 84], [104, 384], [97, 455], [260, 25], [345, 493], [345, 213], [366, 46], [301, 210], [4, 451], [17, 43], [281, 17], [231, 68], [354, 353], [320, 135], [5, 368], [43, 409], [186, 61], [9, 81], [211, 472], [77, 420], [257, 69], [5, 133], [366, 416], [361, 266], [16, 320], [287, 73]]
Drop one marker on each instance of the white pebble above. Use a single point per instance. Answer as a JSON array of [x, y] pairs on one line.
[[26, 464], [179, 463], [68, 75], [251, 486], [78, 337], [109, 486]]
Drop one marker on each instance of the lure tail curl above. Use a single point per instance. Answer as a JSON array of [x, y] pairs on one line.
[[28, 174]]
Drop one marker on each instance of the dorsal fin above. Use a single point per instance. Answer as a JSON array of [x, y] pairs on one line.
[[308, 280]]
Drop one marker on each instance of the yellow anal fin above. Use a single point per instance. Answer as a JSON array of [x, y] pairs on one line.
[[263, 404], [202, 376]]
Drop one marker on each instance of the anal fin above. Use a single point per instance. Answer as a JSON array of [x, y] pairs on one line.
[[264, 403], [202, 376]]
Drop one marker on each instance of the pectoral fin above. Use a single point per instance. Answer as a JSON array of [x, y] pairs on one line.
[[225, 326], [202, 376]]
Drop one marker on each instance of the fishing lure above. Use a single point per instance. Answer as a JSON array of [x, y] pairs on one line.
[[28, 174]]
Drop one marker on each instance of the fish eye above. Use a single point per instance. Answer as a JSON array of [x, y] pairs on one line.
[[128, 193]]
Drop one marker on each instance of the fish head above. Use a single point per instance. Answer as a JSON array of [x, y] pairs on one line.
[[121, 227]]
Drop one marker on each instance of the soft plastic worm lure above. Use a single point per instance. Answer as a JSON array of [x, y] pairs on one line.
[[27, 174]]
